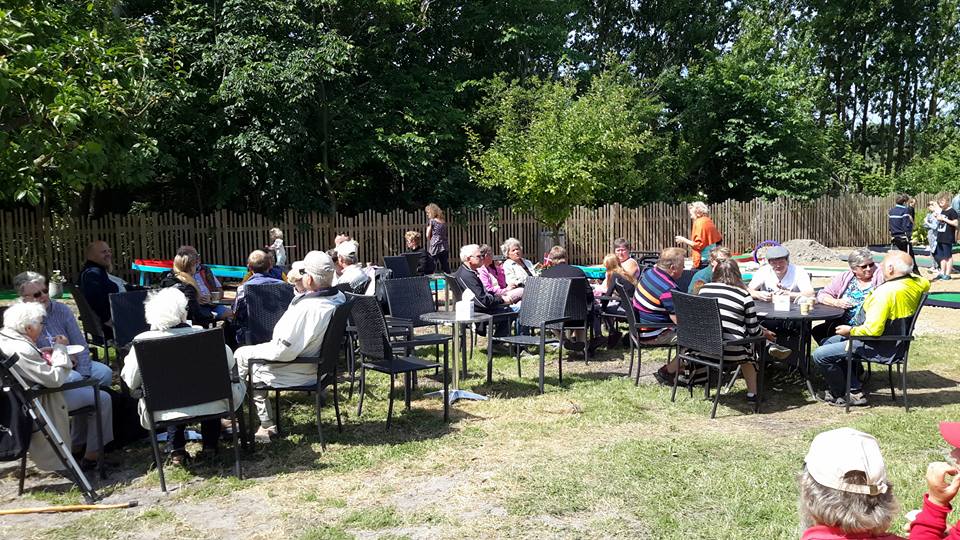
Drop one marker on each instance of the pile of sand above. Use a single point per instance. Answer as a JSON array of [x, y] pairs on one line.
[[810, 251]]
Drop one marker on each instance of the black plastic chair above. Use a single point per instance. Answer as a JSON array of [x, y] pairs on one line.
[[700, 342], [92, 325], [29, 399], [637, 345], [183, 370], [544, 308], [326, 362], [409, 298], [456, 290], [413, 263], [266, 303], [129, 320], [578, 311], [900, 332], [377, 353], [398, 265]]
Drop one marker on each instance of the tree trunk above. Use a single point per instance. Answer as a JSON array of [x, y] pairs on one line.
[[902, 131], [891, 133]]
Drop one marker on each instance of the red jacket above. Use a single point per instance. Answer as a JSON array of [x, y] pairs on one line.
[[931, 523], [822, 532]]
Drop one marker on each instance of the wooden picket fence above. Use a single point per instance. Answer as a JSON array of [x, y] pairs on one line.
[[31, 242]]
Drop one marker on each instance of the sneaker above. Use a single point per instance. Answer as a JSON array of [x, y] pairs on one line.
[[264, 435], [179, 457], [779, 353], [857, 399], [937, 277], [751, 399], [614, 338], [595, 344], [945, 277], [573, 345]]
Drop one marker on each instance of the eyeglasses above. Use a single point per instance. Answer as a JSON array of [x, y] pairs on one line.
[[35, 295], [868, 265]]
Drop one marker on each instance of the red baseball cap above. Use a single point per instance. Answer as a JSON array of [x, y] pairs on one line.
[[950, 431]]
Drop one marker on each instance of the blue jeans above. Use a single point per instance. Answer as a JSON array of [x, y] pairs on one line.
[[831, 357]]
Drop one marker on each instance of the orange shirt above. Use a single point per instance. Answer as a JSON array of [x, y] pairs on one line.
[[703, 234]]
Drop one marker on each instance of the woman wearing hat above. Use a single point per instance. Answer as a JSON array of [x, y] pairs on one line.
[[780, 276]]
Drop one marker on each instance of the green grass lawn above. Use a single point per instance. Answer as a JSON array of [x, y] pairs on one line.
[[595, 457]]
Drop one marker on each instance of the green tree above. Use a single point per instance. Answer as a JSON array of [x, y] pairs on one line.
[[554, 149], [71, 105]]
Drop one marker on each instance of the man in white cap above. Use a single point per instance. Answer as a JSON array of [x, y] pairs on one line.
[[349, 270], [298, 333], [780, 276], [844, 492]]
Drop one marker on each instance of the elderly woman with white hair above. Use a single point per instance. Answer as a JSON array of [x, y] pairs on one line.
[[166, 313], [516, 269], [52, 368], [848, 291], [60, 321], [844, 491], [704, 235]]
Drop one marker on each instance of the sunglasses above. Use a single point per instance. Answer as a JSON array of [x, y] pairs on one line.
[[868, 265], [35, 295]]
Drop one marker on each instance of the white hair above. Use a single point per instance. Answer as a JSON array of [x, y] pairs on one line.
[[23, 314], [23, 278], [853, 513], [899, 266], [467, 250], [700, 208], [508, 245], [165, 308]]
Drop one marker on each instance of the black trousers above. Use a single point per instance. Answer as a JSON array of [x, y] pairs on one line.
[[903, 244]]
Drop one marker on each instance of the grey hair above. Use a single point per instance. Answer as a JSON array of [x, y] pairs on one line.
[[900, 267], [467, 250], [23, 278], [350, 259], [860, 256], [23, 314], [850, 512], [700, 208], [508, 245], [165, 308]]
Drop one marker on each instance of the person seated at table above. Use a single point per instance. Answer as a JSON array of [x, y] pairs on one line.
[[299, 332], [704, 235], [559, 268], [60, 321], [259, 263], [516, 269], [207, 284], [780, 276], [621, 248], [848, 290], [181, 277], [97, 283], [844, 491], [349, 271], [705, 274], [22, 326], [886, 310], [166, 312], [615, 275], [493, 279], [653, 303], [414, 243], [483, 300], [738, 317]]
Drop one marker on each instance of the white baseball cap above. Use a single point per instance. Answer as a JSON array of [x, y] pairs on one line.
[[347, 248], [837, 452], [319, 264]]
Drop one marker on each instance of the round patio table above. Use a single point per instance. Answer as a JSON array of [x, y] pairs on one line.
[[818, 312], [449, 318]]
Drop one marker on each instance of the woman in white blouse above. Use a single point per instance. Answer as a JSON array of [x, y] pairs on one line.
[[515, 268]]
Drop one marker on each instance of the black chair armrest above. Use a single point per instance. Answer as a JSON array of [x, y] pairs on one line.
[[37, 390], [557, 320], [397, 322], [297, 360], [641, 324], [882, 338]]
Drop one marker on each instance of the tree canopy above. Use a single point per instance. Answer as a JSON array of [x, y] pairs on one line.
[[120, 105]]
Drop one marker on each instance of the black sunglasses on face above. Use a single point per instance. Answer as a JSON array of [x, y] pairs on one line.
[[37, 294], [868, 265]]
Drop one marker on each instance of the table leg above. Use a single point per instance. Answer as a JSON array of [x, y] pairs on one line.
[[806, 329], [454, 392]]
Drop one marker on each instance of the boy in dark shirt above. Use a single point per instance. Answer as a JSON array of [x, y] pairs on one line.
[[901, 226], [946, 234]]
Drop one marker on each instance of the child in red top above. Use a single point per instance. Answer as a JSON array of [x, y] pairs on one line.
[[931, 522]]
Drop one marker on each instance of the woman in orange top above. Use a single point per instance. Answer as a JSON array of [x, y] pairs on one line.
[[704, 237]]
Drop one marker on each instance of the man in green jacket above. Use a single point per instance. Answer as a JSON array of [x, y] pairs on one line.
[[887, 310]]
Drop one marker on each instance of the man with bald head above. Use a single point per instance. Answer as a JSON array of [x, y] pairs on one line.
[[97, 283], [260, 263], [887, 310]]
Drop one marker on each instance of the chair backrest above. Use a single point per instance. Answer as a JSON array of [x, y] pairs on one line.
[[576, 305], [127, 313], [683, 283], [333, 339], [91, 322], [904, 327], [266, 303], [698, 324], [371, 328], [413, 263], [183, 370], [627, 304], [398, 264], [456, 288], [544, 299], [409, 298]]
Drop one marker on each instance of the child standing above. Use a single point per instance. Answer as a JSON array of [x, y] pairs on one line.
[[276, 246], [438, 242], [946, 234], [901, 226]]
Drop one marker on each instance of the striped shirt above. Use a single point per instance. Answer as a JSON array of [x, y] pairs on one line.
[[738, 317], [653, 300], [60, 321]]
